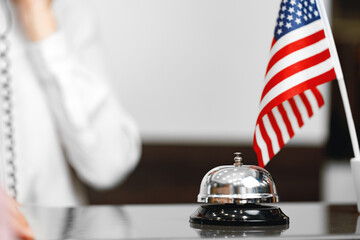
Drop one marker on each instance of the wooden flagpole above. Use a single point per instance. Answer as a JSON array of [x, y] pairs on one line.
[[340, 78]]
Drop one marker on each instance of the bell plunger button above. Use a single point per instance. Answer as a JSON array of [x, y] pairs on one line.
[[238, 159]]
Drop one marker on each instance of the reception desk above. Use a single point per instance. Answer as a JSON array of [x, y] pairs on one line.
[[313, 220]]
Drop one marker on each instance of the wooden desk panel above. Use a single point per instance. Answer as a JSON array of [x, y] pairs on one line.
[[159, 178]]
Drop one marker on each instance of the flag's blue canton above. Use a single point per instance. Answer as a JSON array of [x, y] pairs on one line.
[[294, 14]]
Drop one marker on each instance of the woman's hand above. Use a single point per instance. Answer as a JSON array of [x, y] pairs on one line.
[[12, 223], [18, 222], [36, 17]]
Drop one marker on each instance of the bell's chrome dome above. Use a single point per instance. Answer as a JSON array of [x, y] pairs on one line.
[[238, 184]]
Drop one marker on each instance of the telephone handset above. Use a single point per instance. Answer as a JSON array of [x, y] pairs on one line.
[[6, 98]]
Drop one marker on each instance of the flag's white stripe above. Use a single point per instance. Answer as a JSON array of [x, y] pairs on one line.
[[295, 80], [281, 124], [302, 108], [272, 135], [262, 145], [296, 35], [296, 57], [312, 100], [291, 116]]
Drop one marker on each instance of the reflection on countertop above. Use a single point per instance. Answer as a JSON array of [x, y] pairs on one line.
[[170, 221]]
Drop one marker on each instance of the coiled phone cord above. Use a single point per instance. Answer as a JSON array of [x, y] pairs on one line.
[[7, 108]]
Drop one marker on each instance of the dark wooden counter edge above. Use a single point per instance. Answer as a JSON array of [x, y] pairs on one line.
[[172, 173]]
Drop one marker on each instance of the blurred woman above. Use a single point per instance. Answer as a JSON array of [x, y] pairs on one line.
[[68, 125]]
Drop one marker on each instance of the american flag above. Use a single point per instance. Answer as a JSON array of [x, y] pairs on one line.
[[300, 60]]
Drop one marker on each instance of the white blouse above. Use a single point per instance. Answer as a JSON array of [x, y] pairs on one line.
[[66, 118]]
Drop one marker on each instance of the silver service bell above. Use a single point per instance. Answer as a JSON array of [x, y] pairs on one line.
[[238, 184], [233, 195]]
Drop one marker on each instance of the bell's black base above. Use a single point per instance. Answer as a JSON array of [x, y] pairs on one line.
[[239, 215], [219, 231]]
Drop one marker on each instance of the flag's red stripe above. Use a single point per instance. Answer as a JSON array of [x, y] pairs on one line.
[[296, 111], [318, 96], [286, 120], [294, 46], [273, 42], [307, 104], [266, 138], [258, 152], [276, 128], [302, 87], [295, 68]]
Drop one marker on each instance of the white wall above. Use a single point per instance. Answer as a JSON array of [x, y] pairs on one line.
[[192, 70]]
